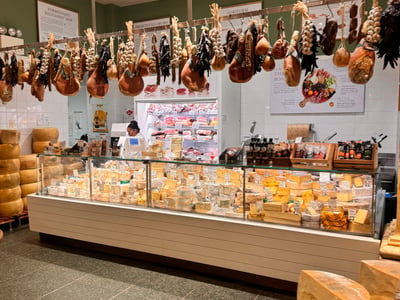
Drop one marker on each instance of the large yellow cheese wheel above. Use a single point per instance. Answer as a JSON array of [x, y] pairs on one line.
[[9, 165], [44, 134], [29, 176], [8, 136], [11, 194], [11, 208], [10, 180], [30, 188], [9, 151], [50, 172], [40, 147], [28, 161]]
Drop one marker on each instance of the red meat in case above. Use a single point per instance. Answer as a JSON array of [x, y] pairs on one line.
[[150, 89], [181, 91]]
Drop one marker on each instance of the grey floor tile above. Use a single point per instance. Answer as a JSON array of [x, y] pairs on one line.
[[143, 293], [89, 287], [210, 291], [38, 283], [13, 267], [124, 273]]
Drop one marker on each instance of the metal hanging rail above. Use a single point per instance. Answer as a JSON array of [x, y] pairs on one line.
[[198, 22]]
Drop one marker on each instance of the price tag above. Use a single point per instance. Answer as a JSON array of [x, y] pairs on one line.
[[298, 140], [75, 173], [227, 177], [324, 177]]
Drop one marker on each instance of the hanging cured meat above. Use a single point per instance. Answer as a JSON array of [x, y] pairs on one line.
[[192, 76], [291, 63], [280, 46], [56, 63], [64, 81], [112, 71], [155, 59], [203, 54], [341, 56], [143, 61], [353, 24], [218, 60], [6, 90], [241, 69], [268, 63], [231, 45], [165, 55], [328, 39], [308, 41], [97, 83], [362, 60], [255, 30], [389, 46], [130, 82], [21, 70]]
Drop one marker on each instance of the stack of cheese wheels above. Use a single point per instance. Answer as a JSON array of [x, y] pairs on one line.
[[42, 137], [11, 203], [29, 176]]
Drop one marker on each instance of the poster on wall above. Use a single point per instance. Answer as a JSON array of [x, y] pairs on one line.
[[242, 23], [149, 34], [63, 23], [325, 90], [319, 13], [100, 119]]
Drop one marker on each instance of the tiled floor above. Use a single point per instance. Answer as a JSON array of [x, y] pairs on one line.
[[33, 270]]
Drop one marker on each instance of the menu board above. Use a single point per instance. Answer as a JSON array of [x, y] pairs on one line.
[[326, 90], [63, 23]]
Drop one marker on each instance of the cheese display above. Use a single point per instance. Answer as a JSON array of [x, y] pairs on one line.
[[9, 166], [381, 278], [11, 208], [28, 162], [8, 136], [315, 285], [44, 134]]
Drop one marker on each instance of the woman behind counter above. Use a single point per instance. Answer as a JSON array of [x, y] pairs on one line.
[[134, 143]]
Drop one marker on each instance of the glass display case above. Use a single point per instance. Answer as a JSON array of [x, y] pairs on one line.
[[328, 200]]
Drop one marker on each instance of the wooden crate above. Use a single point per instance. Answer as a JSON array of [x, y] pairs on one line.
[[314, 164], [281, 162], [356, 164]]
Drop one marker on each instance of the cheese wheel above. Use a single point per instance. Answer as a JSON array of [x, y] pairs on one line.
[[44, 134], [8, 136], [29, 176], [50, 172], [10, 194], [28, 162], [25, 201], [11, 208], [10, 180], [9, 151], [326, 285], [40, 147], [30, 188], [9, 166]]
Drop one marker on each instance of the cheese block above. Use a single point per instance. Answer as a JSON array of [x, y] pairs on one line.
[[381, 278], [50, 172], [9, 151], [11, 208], [28, 161], [299, 178], [299, 186], [361, 216], [344, 196], [44, 134], [283, 191], [7, 195], [10, 180], [358, 182], [360, 228], [300, 192], [9, 166], [272, 206], [29, 176], [324, 198], [315, 284], [8, 136]]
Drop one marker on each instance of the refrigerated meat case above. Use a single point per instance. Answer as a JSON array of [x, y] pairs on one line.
[[229, 216]]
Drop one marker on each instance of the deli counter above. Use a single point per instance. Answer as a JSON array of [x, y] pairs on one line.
[[268, 221]]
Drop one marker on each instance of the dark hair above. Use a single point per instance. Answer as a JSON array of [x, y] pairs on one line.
[[134, 125]]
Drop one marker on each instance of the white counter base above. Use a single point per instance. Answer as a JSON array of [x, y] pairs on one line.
[[263, 249]]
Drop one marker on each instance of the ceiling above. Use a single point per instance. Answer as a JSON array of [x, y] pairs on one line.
[[123, 2]]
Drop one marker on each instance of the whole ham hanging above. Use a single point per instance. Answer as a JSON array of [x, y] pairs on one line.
[[362, 60], [389, 46], [268, 63], [112, 71], [193, 73], [241, 69], [218, 59], [279, 48], [144, 61], [231, 45], [291, 63], [130, 82], [328, 39]]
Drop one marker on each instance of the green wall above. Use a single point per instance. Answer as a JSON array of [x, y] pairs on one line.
[[112, 18]]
